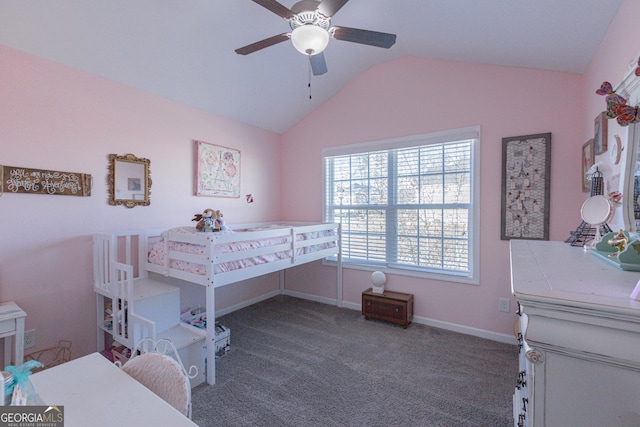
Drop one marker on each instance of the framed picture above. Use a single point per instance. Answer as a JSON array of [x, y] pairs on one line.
[[526, 167], [588, 159], [600, 134], [217, 170]]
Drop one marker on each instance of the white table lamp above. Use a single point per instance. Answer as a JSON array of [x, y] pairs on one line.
[[378, 279]]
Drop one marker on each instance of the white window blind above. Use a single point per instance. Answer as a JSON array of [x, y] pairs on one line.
[[410, 208]]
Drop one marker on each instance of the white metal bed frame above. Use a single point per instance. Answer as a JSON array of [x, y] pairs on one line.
[[115, 261]]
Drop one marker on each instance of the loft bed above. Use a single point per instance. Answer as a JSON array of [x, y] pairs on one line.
[[210, 259]]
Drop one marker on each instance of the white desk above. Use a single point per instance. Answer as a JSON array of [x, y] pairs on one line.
[[95, 392], [12, 324]]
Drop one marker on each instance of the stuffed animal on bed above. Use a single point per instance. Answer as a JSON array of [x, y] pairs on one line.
[[208, 221], [220, 221]]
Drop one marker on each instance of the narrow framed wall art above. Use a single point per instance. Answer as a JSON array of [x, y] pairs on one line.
[[588, 159], [600, 132], [526, 167]]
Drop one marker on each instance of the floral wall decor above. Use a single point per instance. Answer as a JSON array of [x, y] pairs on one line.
[[217, 170], [617, 107]]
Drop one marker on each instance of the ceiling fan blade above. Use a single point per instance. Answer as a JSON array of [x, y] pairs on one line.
[[318, 64], [276, 8], [371, 38], [253, 47], [329, 7]]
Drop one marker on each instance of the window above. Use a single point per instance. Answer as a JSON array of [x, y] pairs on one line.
[[408, 204]]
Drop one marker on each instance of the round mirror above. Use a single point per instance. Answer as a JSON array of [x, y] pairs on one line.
[[596, 210]]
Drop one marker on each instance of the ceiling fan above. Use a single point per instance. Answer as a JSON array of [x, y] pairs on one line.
[[310, 22]]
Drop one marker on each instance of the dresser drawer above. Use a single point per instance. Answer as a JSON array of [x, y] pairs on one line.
[[395, 307]]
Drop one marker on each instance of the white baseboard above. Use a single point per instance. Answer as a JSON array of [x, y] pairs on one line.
[[481, 333], [246, 303], [310, 297]]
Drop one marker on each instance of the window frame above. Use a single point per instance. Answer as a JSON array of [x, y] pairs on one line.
[[461, 134]]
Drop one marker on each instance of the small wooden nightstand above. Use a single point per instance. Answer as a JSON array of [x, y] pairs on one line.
[[395, 307]]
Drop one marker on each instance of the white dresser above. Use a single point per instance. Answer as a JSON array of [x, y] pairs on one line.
[[580, 338]]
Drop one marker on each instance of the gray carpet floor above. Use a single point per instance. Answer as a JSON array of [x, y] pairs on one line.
[[295, 362]]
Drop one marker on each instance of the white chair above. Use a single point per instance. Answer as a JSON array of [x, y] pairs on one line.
[[161, 373]]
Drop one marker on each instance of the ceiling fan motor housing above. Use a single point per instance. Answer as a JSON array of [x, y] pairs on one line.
[[311, 17]]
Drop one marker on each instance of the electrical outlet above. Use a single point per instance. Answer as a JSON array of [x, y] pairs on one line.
[[30, 338], [505, 305]]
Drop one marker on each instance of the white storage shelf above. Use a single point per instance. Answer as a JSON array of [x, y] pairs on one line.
[[158, 303], [190, 342]]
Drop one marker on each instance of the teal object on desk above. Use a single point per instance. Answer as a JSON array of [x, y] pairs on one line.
[[628, 259], [20, 375]]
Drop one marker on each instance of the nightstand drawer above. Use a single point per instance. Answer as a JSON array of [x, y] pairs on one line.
[[383, 308], [8, 326]]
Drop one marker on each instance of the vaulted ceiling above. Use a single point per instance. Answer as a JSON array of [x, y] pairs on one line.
[[184, 50]]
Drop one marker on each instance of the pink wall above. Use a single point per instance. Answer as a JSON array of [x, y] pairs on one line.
[[417, 95], [414, 95], [618, 49], [54, 117]]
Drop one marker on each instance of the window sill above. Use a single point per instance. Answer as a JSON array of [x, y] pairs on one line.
[[407, 272]]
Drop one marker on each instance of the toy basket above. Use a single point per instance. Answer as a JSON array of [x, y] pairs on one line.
[[198, 317], [51, 356], [121, 354]]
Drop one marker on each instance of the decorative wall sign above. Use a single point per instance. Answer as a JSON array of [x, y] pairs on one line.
[[40, 181], [217, 170], [600, 133], [526, 167], [588, 159]]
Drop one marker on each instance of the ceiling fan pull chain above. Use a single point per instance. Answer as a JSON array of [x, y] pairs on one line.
[[309, 76]]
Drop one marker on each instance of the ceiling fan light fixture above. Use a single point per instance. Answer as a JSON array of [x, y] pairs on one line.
[[309, 39]]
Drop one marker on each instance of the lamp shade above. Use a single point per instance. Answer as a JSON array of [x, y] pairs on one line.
[[378, 278], [309, 39]]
